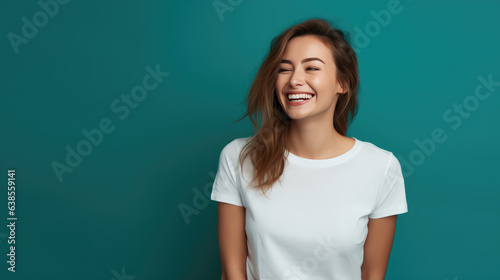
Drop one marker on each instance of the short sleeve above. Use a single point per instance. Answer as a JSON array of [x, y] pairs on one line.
[[226, 186], [391, 198]]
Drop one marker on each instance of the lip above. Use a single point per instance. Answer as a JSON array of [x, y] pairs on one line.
[[294, 103]]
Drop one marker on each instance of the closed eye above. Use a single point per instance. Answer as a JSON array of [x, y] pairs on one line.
[[283, 70]]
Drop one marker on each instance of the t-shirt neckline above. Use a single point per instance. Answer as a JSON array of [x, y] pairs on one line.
[[325, 162]]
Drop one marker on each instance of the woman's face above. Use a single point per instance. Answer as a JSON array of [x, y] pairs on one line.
[[307, 66]]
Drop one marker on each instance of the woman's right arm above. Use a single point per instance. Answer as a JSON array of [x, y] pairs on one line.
[[232, 241]]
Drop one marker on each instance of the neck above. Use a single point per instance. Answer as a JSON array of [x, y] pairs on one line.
[[314, 142]]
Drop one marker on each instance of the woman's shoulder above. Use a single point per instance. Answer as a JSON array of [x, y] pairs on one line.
[[236, 143], [233, 148], [380, 158], [372, 150]]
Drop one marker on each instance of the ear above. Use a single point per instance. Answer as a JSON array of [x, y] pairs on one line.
[[343, 89]]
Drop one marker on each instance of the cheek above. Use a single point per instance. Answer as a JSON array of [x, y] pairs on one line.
[[278, 86], [318, 84], [322, 84], [279, 83]]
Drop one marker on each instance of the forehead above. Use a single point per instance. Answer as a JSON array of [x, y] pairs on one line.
[[307, 46]]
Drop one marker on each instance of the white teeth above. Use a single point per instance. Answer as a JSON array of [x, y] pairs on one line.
[[299, 96]]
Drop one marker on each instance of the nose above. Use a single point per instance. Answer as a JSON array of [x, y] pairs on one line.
[[297, 78]]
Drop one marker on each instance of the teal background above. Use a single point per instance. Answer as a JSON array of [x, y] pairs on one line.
[[119, 208]]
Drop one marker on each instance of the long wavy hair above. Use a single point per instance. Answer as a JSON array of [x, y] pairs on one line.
[[269, 142]]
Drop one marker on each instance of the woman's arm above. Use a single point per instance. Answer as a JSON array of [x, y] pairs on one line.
[[377, 248], [232, 241]]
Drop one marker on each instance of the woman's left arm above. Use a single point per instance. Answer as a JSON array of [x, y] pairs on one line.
[[377, 248]]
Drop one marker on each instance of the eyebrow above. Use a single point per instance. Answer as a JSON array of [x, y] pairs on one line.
[[303, 60]]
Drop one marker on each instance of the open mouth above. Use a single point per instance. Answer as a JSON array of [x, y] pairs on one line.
[[294, 100], [299, 97]]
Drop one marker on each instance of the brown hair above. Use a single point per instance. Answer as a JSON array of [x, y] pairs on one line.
[[268, 144]]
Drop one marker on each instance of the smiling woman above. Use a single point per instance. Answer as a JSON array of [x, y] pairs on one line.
[[331, 212]]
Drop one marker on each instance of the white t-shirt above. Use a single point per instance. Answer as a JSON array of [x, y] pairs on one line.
[[314, 223]]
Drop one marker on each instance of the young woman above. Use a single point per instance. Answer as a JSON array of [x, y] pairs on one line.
[[299, 199]]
